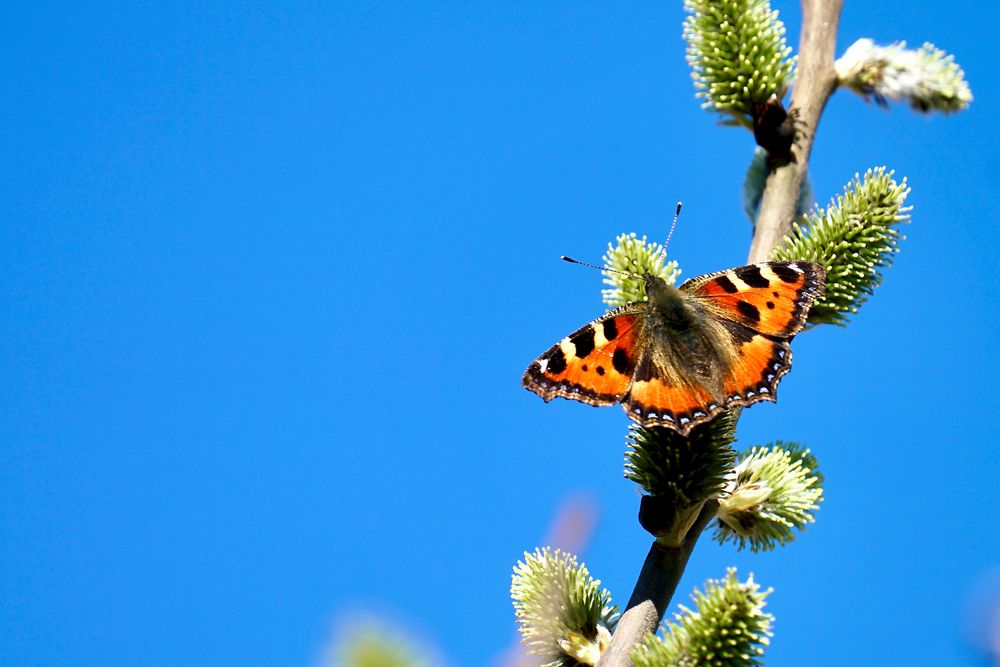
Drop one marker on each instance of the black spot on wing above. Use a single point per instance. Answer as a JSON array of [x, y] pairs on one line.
[[583, 342], [739, 332], [620, 361], [770, 305], [726, 284], [752, 276], [748, 310], [610, 329], [600, 370], [785, 273], [557, 362]]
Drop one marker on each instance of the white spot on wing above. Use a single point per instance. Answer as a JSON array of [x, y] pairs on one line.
[[765, 270], [740, 285], [599, 339], [568, 348], [542, 365]]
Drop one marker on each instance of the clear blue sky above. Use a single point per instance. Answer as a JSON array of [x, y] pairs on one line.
[[271, 273]]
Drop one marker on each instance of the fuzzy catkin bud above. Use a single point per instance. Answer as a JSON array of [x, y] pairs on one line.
[[563, 615], [854, 238], [727, 628], [771, 491], [627, 261], [737, 53], [927, 78]]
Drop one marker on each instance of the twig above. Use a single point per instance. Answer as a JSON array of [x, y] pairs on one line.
[[661, 572], [815, 82]]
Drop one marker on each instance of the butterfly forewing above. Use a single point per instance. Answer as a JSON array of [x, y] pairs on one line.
[[593, 364], [654, 401], [771, 297]]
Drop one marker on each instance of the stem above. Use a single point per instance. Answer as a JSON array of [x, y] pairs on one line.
[[815, 82], [658, 579]]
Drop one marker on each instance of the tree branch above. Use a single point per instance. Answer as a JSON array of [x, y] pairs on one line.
[[816, 80], [661, 572]]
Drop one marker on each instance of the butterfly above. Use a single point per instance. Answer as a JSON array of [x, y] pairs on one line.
[[686, 354]]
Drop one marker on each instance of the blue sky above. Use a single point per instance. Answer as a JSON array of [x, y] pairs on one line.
[[271, 275]]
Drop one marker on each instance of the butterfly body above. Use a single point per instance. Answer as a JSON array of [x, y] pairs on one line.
[[685, 354], [691, 339]]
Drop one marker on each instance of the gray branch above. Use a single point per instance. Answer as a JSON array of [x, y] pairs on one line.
[[661, 572], [815, 81]]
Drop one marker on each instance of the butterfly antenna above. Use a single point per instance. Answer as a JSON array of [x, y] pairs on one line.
[[594, 266], [677, 214]]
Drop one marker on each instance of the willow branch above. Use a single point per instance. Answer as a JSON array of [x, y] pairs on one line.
[[661, 572], [815, 81]]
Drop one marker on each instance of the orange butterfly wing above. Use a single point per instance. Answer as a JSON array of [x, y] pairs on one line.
[[761, 362], [593, 364], [771, 297], [762, 306], [654, 402]]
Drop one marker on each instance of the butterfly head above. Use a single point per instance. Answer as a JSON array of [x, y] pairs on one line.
[[666, 302], [654, 285]]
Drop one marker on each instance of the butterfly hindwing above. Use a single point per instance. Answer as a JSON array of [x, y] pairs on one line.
[[771, 297], [761, 361], [593, 364], [654, 400]]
